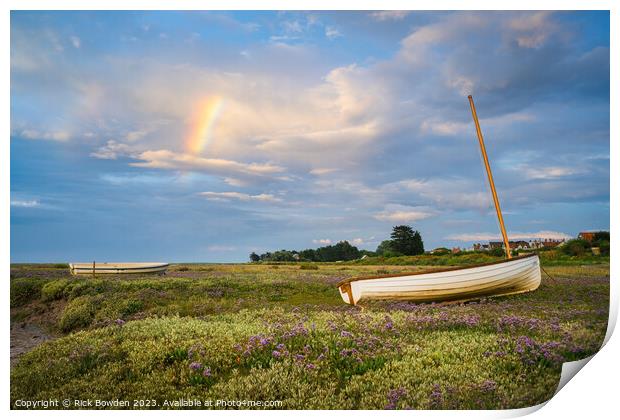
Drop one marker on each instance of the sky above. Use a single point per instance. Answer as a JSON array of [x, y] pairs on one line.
[[205, 136]]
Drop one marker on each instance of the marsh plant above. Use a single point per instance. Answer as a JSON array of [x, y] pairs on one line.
[[251, 332]]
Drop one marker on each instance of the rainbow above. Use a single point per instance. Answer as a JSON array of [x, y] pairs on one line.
[[202, 125]]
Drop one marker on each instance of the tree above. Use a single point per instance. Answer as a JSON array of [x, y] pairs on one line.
[[385, 247], [254, 257], [406, 241]]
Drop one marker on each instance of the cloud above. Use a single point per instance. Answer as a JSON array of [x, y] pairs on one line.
[[543, 234], [323, 171], [550, 172], [57, 135], [386, 15], [450, 193], [231, 195], [322, 241], [113, 150], [332, 33], [76, 42], [166, 159], [25, 203], [532, 29], [402, 214]]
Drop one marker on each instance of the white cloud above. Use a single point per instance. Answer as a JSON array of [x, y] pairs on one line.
[[25, 203], [331, 32], [385, 15], [549, 172], [166, 159], [322, 241], [543, 234], [532, 29], [402, 214], [76, 42], [112, 150], [232, 195], [356, 241], [55, 135], [323, 171]]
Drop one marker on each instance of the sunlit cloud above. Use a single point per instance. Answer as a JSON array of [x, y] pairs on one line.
[[232, 195], [543, 234], [387, 15], [402, 214]]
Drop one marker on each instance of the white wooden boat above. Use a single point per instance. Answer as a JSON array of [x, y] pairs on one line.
[[517, 275], [117, 268], [513, 275]]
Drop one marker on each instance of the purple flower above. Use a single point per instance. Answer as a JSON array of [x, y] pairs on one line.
[[310, 366], [488, 385], [120, 322], [206, 372], [276, 354], [394, 396], [195, 366], [345, 333]]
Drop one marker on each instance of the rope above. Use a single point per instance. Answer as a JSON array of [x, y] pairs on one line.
[[545, 271]]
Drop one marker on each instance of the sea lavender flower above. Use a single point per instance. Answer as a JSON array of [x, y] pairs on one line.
[[195, 366], [436, 396], [207, 372], [310, 366], [488, 386], [394, 396], [276, 354], [120, 322]]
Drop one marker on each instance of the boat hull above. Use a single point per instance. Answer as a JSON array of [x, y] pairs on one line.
[[117, 268], [517, 275]]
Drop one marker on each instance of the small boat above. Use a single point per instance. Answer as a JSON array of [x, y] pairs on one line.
[[513, 275], [516, 275], [118, 268]]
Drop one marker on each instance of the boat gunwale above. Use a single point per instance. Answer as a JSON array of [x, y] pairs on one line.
[[438, 270], [117, 266]]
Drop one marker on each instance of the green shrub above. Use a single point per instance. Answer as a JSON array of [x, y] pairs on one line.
[[61, 266], [183, 268], [84, 287], [132, 306], [308, 266], [79, 313], [604, 246], [25, 290], [53, 290], [575, 247]]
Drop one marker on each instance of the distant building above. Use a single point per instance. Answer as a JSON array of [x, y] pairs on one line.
[[549, 243], [586, 236], [456, 250]]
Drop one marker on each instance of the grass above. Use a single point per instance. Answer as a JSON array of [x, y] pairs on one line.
[[281, 332]]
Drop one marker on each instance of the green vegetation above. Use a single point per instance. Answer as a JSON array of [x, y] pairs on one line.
[[406, 241], [237, 332]]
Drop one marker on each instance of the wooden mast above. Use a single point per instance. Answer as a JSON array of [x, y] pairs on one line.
[[490, 176]]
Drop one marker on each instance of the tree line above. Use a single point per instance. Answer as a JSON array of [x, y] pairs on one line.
[[403, 241]]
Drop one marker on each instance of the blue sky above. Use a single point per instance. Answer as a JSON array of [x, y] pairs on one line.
[[204, 136]]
